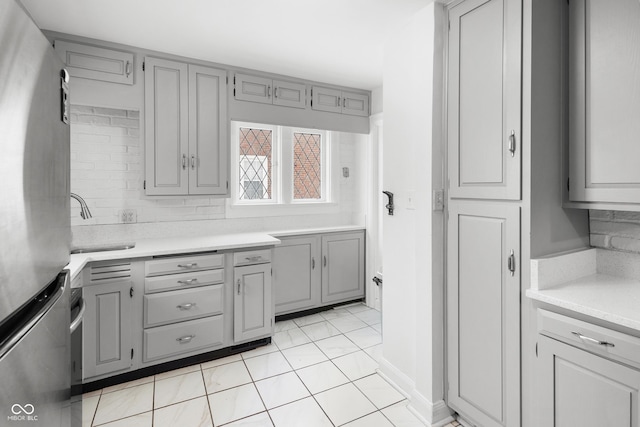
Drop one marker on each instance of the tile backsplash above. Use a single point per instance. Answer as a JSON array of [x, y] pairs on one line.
[[615, 230], [107, 170]]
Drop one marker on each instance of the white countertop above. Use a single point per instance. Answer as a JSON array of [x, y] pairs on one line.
[[174, 245], [606, 297], [181, 245]]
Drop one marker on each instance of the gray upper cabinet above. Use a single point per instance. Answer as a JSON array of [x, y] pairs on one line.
[[604, 101], [337, 101], [484, 99], [96, 63], [297, 272], [483, 312], [185, 129], [342, 267], [268, 91]]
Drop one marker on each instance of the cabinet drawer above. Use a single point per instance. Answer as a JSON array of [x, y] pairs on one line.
[[167, 307], [170, 340], [182, 264], [252, 257], [96, 63], [183, 280], [593, 338]]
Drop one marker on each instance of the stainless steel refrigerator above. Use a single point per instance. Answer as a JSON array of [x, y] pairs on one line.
[[34, 226]]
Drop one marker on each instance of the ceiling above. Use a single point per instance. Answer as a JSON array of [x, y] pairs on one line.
[[332, 41]]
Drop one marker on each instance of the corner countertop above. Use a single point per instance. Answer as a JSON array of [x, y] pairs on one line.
[[182, 245], [581, 282]]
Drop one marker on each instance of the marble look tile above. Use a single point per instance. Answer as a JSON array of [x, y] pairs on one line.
[[133, 383], [89, 406], [235, 403], [124, 403], [267, 365], [348, 323], [357, 308], [192, 413], [304, 355], [344, 403], [378, 391], [284, 325], [303, 413], [400, 416], [336, 346], [225, 376], [260, 420], [308, 320], [373, 420], [281, 389], [140, 420], [375, 352], [320, 330], [335, 313], [365, 337], [356, 365], [178, 389], [265, 349], [222, 361], [321, 377], [370, 317], [177, 372], [377, 327], [290, 338]]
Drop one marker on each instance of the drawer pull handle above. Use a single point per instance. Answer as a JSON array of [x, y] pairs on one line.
[[187, 306], [592, 340], [253, 258], [186, 339], [190, 265], [187, 281]]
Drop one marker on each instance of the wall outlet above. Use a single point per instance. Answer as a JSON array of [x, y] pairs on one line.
[[128, 216]]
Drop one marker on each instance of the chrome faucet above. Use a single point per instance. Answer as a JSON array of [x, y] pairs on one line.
[[85, 213]]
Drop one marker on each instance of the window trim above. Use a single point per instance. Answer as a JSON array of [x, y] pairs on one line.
[[282, 202]]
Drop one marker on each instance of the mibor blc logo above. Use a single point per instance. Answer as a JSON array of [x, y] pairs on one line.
[[22, 413]]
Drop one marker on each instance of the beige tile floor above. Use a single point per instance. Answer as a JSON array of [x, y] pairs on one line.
[[320, 370]]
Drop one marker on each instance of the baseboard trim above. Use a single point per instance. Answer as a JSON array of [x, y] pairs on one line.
[[436, 414]]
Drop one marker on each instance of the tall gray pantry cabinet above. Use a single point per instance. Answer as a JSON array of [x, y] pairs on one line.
[[484, 203]]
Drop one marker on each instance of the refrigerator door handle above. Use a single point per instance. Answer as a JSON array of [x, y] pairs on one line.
[[15, 338], [78, 319]]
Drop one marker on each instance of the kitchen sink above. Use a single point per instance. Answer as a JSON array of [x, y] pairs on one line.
[[103, 248]]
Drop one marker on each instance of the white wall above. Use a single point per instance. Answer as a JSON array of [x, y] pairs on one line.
[[412, 351]]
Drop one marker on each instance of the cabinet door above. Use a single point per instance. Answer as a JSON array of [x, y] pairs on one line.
[[577, 388], [484, 137], [252, 312], [604, 101], [96, 63], [483, 312], [166, 127], [355, 104], [342, 267], [325, 99], [253, 88], [296, 274], [289, 94], [207, 131], [106, 328]]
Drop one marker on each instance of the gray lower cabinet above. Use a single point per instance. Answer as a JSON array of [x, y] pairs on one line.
[[252, 306], [296, 274], [581, 389], [483, 312], [106, 329], [342, 267], [315, 270], [183, 306]]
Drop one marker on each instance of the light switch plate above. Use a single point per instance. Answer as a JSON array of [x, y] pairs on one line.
[[438, 200]]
